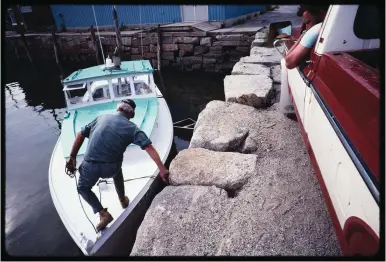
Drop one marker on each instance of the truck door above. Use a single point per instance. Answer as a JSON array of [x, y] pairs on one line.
[[298, 81]]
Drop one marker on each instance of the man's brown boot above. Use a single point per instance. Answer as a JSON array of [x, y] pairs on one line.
[[124, 201], [105, 219]]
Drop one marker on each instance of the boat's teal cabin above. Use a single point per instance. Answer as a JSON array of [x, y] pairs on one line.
[[93, 91]]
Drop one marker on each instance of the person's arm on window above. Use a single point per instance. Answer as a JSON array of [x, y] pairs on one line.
[[303, 46], [296, 56], [295, 45]]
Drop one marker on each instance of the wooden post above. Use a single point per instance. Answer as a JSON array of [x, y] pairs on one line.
[[95, 43], [20, 29], [159, 42], [15, 46], [159, 56], [118, 33], [56, 50]]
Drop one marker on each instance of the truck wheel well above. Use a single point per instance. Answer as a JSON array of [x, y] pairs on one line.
[[360, 238]]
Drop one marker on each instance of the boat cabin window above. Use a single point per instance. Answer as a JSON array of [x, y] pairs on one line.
[[80, 93], [76, 94], [142, 84], [99, 90], [121, 86]]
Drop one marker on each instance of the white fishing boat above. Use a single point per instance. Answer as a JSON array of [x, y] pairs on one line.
[[95, 91]]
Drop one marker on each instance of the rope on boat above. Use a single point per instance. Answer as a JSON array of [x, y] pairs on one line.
[[96, 23], [84, 211], [72, 174], [110, 182], [126, 180]]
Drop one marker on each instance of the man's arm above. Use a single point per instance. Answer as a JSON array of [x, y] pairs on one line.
[[71, 163], [84, 132], [295, 45], [302, 48], [154, 155], [293, 59], [77, 144], [141, 139]]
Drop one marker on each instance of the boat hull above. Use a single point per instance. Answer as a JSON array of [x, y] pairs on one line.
[[119, 237]]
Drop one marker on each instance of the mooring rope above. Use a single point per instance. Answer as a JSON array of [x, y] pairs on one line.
[[73, 175], [99, 36], [84, 211]]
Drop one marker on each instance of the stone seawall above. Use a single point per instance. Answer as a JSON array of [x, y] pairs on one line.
[[185, 47], [245, 186]]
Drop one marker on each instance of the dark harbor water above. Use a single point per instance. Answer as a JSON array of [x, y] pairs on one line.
[[34, 109]]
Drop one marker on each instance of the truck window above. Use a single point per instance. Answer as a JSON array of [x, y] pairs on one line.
[[366, 23]]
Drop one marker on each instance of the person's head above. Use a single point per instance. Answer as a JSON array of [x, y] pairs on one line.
[[313, 14], [127, 107]]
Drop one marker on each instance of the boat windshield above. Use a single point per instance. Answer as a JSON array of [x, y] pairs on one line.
[[76, 94], [123, 86], [142, 84], [99, 90]]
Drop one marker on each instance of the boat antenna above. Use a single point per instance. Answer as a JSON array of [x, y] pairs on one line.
[[99, 36], [140, 27]]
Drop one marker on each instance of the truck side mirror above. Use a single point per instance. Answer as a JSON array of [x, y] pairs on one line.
[[282, 29]]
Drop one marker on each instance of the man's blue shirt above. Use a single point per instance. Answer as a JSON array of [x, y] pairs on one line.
[[109, 136]]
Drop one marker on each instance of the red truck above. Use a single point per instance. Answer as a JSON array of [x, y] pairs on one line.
[[336, 97]]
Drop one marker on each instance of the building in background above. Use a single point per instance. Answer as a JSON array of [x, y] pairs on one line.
[[79, 16], [32, 17]]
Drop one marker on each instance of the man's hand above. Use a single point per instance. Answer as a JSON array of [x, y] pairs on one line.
[[71, 165], [164, 174]]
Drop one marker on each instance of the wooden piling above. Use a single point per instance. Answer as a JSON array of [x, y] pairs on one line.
[[117, 31], [56, 50], [159, 42], [95, 44], [15, 46], [20, 30], [159, 56]]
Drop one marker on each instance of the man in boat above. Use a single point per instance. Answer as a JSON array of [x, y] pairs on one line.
[[109, 135], [312, 17]]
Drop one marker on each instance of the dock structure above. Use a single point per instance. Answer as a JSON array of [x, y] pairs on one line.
[[245, 186]]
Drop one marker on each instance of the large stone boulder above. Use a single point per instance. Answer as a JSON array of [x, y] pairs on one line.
[[269, 58], [198, 166], [264, 51], [252, 90], [183, 221], [276, 74], [250, 69], [227, 127], [259, 42]]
